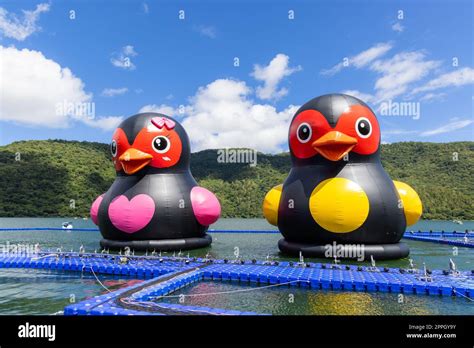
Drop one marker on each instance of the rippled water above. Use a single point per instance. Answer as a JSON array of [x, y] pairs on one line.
[[44, 292]]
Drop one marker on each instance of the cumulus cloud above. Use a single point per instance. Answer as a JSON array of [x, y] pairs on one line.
[[33, 86], [123, 59], [37, 91], [361, 59], [112, 92], [19, 28], [222, 114], [450, 127], [271, 75]]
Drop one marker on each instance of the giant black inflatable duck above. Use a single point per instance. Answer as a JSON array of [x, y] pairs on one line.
[[154, 203], [338, 195]]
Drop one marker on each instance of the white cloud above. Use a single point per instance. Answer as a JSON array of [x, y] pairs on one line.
[[161, 109], [456, 78], [398, 27], [429, 97], [399, 72], [129, 51], [398, 132], [37, 91], [106, 123], [123, 59], [205, 30], [450, 127], [365, 97], [362, 59], [20, 28], [402, 75], [145, 8], [33, 86], [221, 114], [112, 92], [271, 75]]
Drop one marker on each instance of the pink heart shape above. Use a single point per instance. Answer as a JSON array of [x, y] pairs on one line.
[[131, 216], [95, 209]]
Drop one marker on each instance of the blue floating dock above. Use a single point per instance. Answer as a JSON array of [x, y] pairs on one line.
[[444, 239], [433, 234], [163, 276]]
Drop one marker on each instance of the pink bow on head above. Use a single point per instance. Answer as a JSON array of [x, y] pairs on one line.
[[163, 121]]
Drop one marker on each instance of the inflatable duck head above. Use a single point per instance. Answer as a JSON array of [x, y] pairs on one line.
[[332, 128], [149, 143]]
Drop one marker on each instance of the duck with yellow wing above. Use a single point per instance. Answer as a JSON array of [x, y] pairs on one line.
[[337, 192]]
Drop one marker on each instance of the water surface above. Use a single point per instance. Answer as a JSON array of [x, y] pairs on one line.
[[45, 292]]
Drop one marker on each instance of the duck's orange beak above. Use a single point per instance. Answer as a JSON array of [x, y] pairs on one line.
[[133, 160], [334, 145]]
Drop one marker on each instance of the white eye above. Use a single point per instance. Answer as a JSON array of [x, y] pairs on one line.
[[363, 127], [161, 144], [113, 148], [304, 132]]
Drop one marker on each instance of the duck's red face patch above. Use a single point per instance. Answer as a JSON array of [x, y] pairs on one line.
[[154, 146], [357, 130]]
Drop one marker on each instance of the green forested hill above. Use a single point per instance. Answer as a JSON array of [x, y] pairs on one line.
[[62, 178]]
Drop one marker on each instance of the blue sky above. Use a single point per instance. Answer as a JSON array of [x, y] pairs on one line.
[[185, 67]]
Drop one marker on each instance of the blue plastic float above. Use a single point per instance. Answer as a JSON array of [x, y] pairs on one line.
[[166, 275]]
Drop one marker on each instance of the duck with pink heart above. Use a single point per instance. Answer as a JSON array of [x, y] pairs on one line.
[[154, 202]]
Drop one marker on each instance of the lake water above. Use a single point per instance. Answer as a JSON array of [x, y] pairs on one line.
[[45, 292]]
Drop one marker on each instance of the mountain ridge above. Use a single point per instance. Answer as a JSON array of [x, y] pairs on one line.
[[62, 178]]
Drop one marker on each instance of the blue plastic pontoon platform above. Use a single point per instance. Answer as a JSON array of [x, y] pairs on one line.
[[166, 275]]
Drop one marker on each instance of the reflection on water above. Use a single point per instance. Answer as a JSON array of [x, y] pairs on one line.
[[300, 301]]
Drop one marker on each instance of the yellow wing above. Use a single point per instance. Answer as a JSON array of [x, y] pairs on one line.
[[339, 205], [411, 202], [271, 203]]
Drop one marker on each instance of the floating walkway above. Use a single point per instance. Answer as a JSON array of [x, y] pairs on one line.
[[408, 234], [166, 275], [439, 234], [462, 240]]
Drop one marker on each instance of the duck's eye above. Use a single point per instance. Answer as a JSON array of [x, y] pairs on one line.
[[303, 132], [161, 144], [113, 148], [363, 127]]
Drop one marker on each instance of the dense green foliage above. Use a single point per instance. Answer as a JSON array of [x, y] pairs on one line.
[[50, 175]]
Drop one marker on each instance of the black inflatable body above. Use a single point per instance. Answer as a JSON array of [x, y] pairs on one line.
[[154, 203], [337, 190]]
